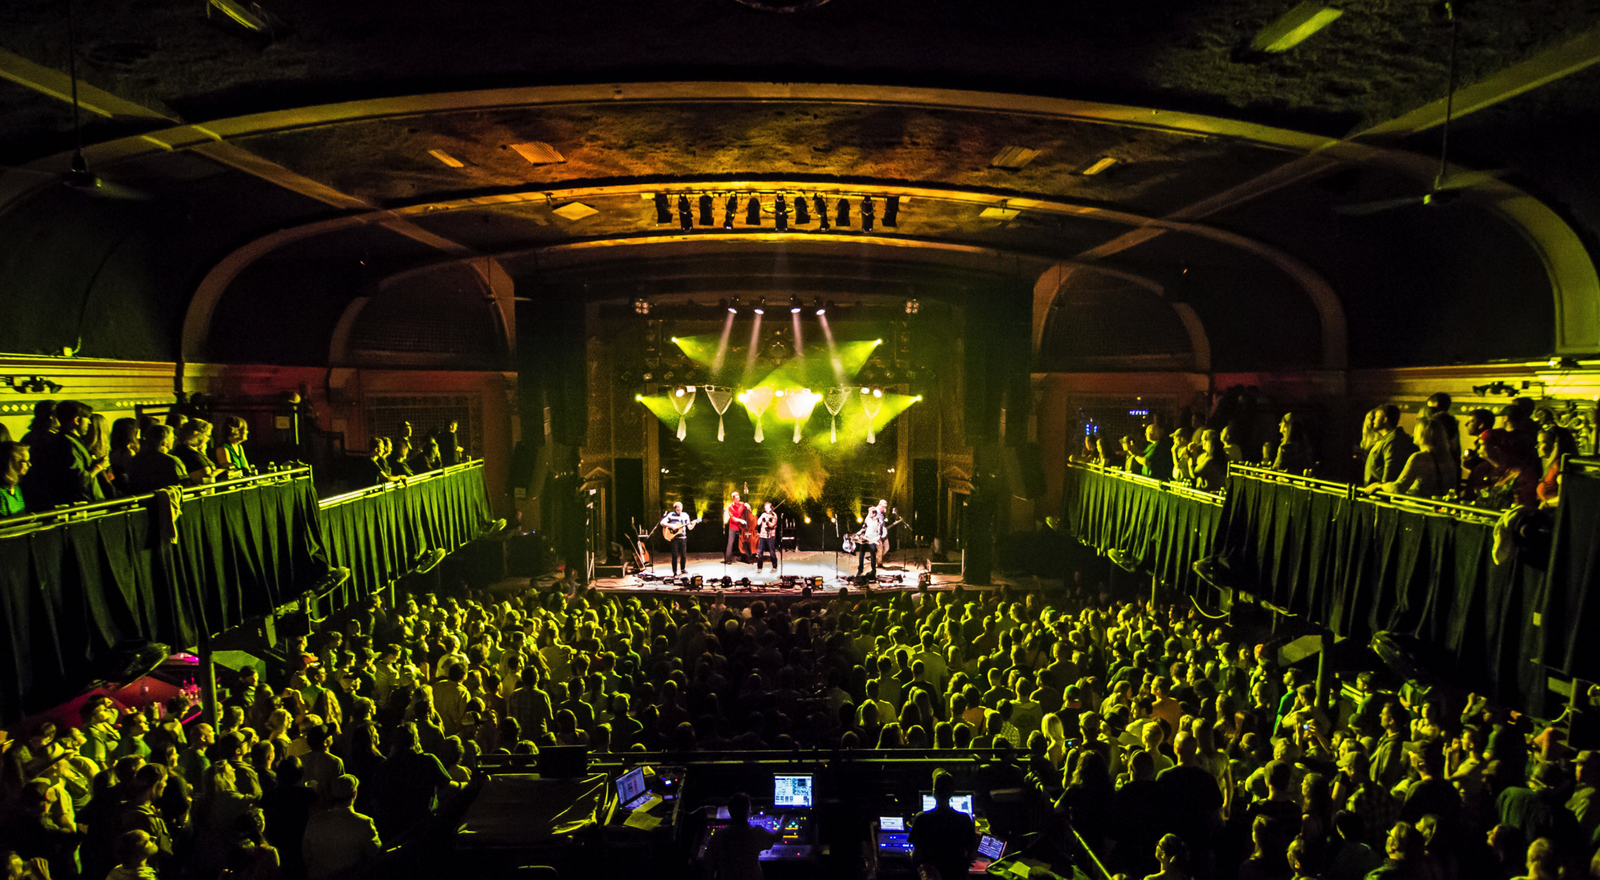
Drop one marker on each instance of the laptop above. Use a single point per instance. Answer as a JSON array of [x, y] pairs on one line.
[[990, 849], [961, 802], [793, 792], [633, 794]]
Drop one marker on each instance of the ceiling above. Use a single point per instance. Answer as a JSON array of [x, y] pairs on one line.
[[258, 191]]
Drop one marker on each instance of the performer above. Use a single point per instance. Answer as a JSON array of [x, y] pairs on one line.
[[872, 534], [734, 516], [675, 527], [767, 532]]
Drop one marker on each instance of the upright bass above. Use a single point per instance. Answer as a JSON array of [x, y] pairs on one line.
[[747, 543]]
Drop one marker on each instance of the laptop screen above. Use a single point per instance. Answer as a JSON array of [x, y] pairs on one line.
[[991, 848], [961, 802], [891, 823], [791, 791], [630, 785]]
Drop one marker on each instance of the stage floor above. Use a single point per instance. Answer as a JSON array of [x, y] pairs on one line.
[[899, 572]]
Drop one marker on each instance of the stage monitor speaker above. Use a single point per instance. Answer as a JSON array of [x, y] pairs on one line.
[[1025, 471]]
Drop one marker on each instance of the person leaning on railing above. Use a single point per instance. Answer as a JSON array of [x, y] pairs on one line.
[[1430, 471], [14, 462], [229, 453], [192, 440], [1293, 454], [155, 467]]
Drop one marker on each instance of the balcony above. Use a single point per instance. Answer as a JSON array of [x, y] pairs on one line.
[[77, 582], [1359, 563]]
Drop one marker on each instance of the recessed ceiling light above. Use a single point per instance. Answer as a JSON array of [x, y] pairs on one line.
[[1012, 157], [447, 159], [575, 211], [539, 153], [1100, 165], [1293, 27]]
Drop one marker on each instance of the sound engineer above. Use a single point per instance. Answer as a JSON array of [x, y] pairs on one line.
[[734, 853], [942, 837]]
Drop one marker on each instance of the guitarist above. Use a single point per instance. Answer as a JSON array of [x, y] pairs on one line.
[[675, 526], [736, 517], [872, 534], [767, 531]]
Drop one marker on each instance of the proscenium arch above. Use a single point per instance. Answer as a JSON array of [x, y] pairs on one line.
[[213, 286]]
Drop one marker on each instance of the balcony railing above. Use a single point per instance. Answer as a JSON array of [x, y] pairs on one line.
[[1352, 561], [386, 531], [77, 582]]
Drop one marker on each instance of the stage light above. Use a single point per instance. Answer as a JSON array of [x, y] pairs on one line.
[[877, 392], [761, 306], [780, 214], [802, 213], [822, 213], [821, 309], [778, 393], [685, 216], [869, 214], [752, 212], [663, 209], [707, 212], [912, 306], [728, 212], [641, 306], [679, 392], [877, 342], [743, 582], [916, 399], [891, 212], [794, 305], [726, 582], [843, 218], [639, 397]]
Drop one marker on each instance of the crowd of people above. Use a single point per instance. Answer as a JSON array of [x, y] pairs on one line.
[[72, 455], [1512, 458], [1177, 747]]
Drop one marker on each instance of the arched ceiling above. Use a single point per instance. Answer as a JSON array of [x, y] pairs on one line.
[[271, 186]]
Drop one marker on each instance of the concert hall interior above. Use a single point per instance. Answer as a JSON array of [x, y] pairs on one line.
[[1245, 353]]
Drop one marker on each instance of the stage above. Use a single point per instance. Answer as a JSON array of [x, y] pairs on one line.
[[901, 572]]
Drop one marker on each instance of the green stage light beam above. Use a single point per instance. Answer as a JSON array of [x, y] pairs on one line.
[[853, 418], [660, 407]]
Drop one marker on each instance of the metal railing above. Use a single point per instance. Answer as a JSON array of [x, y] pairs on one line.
[[1395, 500], [74, 513], [381, 488], [1182, 490]]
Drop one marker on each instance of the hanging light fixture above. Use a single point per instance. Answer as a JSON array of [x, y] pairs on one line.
[[802, 213], [728, 212]]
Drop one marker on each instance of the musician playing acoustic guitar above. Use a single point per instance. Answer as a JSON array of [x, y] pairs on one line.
[[735, 517], [675, 528], [872, 534]]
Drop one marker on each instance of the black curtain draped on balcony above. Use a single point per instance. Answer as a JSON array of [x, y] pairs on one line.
[[1355, 567], [1358, 567], [1149, 525], [69, 593], [379, 536], [1574, 584]]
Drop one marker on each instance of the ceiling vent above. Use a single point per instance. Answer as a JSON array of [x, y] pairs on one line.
[[1100, 166], [575, 211], [1013, 158], [999, 213], [447, 159], [539, 153]]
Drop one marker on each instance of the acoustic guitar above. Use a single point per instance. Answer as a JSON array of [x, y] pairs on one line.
[[674, 533]]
